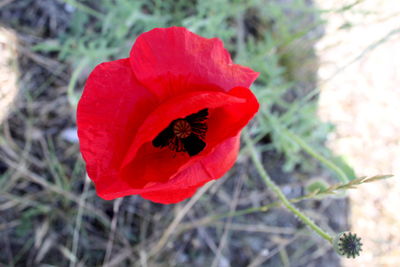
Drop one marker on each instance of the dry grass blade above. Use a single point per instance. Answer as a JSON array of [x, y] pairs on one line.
[[225, 236], [352, 184], [78, 222], [255, 228], [266, 254], [377, 178], [120, 257], [53, 188], [178, 218], [117, 205]]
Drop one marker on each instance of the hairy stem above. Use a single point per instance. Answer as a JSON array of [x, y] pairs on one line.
[[268, 181], [341, 175]]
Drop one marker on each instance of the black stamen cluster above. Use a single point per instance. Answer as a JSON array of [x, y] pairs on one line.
[[192, 144]]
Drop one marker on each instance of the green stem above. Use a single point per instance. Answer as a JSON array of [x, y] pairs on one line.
[[341, 175], [268, 181]]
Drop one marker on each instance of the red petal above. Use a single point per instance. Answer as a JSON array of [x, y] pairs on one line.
[[184, 184], [169, 61], [111, 109], [170, 196], [229, 113], [228, 120]]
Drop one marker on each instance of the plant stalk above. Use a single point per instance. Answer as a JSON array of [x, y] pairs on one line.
[[271, 184]]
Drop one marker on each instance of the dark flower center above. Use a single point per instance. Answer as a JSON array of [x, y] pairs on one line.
[[182, 128], [185, 135]]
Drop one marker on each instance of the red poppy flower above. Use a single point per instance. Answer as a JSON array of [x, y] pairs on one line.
[[166, 120]]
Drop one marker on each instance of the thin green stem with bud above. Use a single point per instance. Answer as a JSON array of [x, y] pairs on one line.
[[268, 181]]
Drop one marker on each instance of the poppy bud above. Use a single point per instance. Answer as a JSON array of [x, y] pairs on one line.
[[347, 244]]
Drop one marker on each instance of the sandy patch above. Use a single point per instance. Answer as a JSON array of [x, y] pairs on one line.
[[363, 101]]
